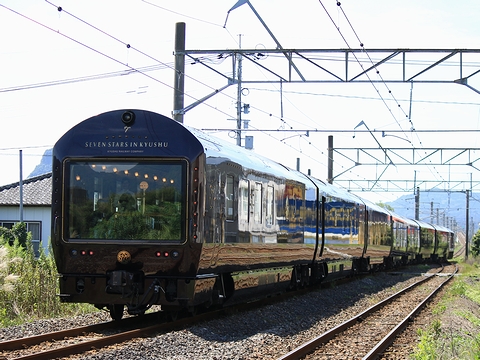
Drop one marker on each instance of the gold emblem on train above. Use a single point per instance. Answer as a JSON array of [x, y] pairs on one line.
[[124, 257]]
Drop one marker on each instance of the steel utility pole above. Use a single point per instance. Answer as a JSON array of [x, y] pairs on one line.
[[239, 93], [21, 186], [417, 204], [179, 80], [467, 215], [330, 160]]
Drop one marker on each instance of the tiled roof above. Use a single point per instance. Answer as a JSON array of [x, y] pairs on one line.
[[37, 191]]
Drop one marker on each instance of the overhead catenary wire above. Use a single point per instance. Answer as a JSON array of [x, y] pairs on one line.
[[356, 57], [127, 45], [125, 64], [338, 3], [286, 120]]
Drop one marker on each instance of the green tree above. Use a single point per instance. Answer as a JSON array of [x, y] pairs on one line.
[[6, 236], [17, 232], [475, 250]]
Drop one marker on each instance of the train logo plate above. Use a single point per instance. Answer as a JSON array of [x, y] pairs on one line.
[[124, 257]]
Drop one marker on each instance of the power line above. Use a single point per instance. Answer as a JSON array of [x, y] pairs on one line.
[[374, 66], [212, 59], [131, 68], [82, 78]]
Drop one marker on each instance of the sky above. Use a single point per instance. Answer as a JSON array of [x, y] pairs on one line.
[[61, 67]]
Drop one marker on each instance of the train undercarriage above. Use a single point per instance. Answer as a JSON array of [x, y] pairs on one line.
[[137, 292]]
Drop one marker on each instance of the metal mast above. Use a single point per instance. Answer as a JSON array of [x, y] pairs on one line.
[[239, 93]]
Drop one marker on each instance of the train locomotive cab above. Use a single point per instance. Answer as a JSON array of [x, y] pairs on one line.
[[125, 206]]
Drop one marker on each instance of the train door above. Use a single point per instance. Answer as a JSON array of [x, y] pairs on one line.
[[364, 229], [231, 208], [257, 206], [243, 210]]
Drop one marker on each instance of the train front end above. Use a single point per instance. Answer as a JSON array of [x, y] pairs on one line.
[[126, 193]]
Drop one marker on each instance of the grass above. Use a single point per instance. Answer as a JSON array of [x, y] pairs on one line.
[[441, 341], [28, 286]]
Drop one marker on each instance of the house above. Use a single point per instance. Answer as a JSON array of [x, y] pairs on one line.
[[37, 200]]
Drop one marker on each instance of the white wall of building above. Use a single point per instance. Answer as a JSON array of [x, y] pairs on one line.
[[39, 214]]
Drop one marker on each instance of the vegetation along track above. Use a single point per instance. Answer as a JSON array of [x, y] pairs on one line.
[[368, 334]]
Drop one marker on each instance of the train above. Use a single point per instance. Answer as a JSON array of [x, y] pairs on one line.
[[148, 211]]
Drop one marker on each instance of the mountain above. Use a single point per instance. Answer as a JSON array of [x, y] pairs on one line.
[[45, 165], [441, 207]]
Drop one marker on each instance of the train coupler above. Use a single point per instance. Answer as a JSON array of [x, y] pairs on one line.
[[124, 282], [143, 305]]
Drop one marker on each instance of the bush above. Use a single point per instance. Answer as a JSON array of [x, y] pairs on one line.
[[476, 244], [446, 338], [28, 285]]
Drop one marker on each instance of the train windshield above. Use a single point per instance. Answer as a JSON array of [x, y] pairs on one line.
[[125, 200]]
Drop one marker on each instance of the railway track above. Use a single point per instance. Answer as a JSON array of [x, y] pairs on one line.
[[366, 335], [78, 340], [72, 341]]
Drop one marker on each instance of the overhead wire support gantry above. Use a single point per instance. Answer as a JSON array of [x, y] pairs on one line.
[[337, 66], [410, 156]]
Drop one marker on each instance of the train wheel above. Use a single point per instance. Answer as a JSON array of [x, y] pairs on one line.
[[116, 311]]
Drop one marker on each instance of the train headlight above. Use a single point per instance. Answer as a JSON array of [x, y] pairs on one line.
[[128, 118]]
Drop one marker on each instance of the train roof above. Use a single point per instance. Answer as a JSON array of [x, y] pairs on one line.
[[371, 205], [424, 224], [403, 219], [332, 190], [442, 228], [218, 150]]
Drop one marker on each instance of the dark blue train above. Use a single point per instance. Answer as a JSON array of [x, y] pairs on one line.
[[147, 211]]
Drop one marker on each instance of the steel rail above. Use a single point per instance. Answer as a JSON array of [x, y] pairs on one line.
[[141, 331], [22, 343], [310, 346], [104, 341], [390, 337]]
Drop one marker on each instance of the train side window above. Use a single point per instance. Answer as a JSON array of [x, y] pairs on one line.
[[270, 205], [243, 206], [230, 198], [257, 206]]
